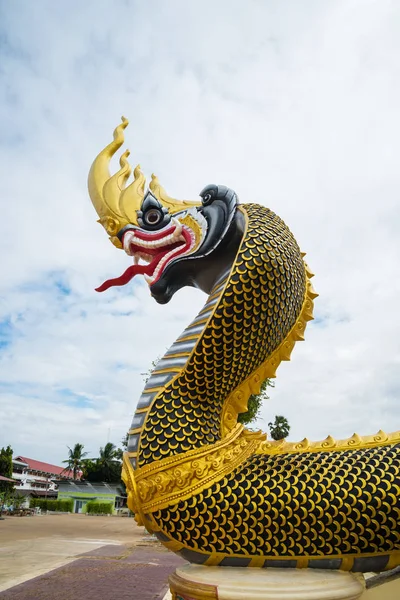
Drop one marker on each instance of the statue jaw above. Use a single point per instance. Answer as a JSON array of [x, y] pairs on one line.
[[165, 255], [153, 251], [201, 270]]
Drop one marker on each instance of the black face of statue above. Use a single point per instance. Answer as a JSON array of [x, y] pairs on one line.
[[216, 253], [186, 248]]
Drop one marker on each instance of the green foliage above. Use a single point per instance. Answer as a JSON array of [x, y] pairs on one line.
[[6, 498], [99, 508], [280, 428], [6, 461], [17, 500], [254, 404], [106, 468], [75, 459], [146, 376], [6, 470], [66, 505], [11, 498], [88, 466]]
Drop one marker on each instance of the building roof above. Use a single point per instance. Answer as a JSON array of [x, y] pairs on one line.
[[49, 494], [19, 462], [97, 488], [37, 493], [25, 493], [6, 479], [37, 465]]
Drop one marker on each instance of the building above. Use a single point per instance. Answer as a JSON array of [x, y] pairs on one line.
[[81, 492], [35, 476]]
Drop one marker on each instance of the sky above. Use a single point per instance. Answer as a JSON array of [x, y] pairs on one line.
[[292, 104]]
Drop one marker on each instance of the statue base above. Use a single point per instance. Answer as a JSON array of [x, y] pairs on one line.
[[194, 582]]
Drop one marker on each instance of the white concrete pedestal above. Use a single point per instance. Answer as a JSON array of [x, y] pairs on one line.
[[194, 582]]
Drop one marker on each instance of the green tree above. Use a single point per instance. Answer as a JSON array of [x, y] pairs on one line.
[[108, 460], [280, 428], [75, 460], [6, 461], [6, 496], [254, 404], [17, 500], [89, 466], [6, 468], [107, 467]]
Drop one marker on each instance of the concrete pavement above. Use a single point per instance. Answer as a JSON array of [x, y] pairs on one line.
[[74, 556], [136, 573]]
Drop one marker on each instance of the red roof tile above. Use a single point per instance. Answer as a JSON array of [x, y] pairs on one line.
[[6, 479], [37, 465]]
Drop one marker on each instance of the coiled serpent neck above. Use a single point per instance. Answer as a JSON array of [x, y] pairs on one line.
[[248, 314]]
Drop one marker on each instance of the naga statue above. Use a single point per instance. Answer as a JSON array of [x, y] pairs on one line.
[[210, 489]]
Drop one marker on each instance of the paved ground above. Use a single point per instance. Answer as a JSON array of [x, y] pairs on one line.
[[69, 557], [136, 573], [120, 529], [94, 557]]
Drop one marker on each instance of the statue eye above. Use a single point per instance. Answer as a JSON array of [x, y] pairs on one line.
[[153, 216]]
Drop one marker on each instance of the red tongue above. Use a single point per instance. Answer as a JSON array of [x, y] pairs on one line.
[[127, 276], [143, 269]]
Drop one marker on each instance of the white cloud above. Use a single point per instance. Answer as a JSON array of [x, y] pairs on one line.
[[294, 106]]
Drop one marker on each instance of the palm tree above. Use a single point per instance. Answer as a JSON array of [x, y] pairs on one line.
[[107, 461], [75, 460], [280, 428]]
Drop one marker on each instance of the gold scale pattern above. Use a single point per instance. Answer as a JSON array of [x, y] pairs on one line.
[[296, 508], [324, 505], [260, 304]]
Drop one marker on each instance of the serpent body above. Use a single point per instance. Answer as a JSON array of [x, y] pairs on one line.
[[325, 509], [210, 489]]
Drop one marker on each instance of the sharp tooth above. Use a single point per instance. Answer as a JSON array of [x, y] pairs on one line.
[[136, 259], [178, 226], [148, 279], [128, 240]]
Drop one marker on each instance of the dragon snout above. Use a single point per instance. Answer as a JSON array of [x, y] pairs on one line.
[[214, 192]]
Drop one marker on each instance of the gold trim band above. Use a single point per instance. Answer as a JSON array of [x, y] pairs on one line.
[[167, 481], [329, 444]]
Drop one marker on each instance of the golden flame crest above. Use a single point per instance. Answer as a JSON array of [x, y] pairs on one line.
[[117, 203]]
